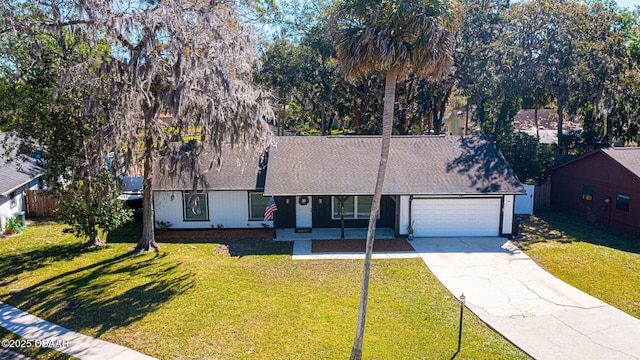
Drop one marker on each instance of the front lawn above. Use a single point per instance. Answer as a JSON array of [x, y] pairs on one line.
[[597, 260], [235, 299]]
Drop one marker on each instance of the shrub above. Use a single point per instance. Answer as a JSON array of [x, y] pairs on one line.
[[13, 225]]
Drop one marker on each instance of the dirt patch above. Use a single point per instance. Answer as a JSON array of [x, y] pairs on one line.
[[215, 234], [234, 249], [358, 245]]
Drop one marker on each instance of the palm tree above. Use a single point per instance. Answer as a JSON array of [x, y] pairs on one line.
[[396, 37]]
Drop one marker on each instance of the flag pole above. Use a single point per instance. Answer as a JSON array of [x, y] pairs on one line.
[[274, 225], [270, 213]]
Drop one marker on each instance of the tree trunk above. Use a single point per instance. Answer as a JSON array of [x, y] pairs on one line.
[[560, 124], [94, 241], [323, 125], [535, 116], [434, 113], [466, 122], [147, 240], [430, 118], [284, 116], [442, 107], [387, 124]]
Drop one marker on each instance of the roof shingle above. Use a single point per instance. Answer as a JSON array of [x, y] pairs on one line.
[[240, 169], [418, 165], [627, 157], [15, 171]]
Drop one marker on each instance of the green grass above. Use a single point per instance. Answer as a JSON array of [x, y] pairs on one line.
[[597, 260], [193, 301]]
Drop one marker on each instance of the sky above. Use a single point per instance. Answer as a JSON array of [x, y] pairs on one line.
[[628, 3]]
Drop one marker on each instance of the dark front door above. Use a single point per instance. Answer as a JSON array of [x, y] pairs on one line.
[[286, 214]]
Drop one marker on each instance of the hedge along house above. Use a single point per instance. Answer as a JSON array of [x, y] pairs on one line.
[[228, 197], [602, 186], [444, 186]]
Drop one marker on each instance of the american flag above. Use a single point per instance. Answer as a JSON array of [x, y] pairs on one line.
[[270, 209]]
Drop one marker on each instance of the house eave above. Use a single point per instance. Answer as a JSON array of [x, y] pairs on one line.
[[207, 189], [8, 192], [423, 194]]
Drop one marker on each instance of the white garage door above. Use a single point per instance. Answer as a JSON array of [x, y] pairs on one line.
[[456, 217]]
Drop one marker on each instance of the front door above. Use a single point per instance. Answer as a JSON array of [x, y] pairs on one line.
[[303, 212]]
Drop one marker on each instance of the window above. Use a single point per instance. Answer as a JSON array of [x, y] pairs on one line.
[[355, 207], [195, 206], [587, 192], [257, 204], [349, 207], [13, 202], [364, 206], [622, 202]]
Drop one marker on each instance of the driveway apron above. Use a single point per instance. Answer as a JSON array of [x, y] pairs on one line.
[[540, 314]]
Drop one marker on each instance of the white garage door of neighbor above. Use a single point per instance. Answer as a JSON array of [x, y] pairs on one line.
[[456, 217]]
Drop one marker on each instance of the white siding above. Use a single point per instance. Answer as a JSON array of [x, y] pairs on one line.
[[227, 208], [7, 211], [404, 215], [456, 217], [507, 215]]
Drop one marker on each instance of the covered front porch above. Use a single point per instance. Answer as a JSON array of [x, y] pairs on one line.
[[332, 233]]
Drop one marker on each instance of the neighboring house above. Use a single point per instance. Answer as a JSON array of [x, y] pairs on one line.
[[445, 186], [229, 197], [602, 186], [131, 191], [17, 174], [547, 131], [455, 123]]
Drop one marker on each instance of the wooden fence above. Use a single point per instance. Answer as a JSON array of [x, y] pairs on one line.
[[40, 204], [542, 196]]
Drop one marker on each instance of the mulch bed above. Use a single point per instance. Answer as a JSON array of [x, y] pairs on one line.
[[358, 245], [215, 234]]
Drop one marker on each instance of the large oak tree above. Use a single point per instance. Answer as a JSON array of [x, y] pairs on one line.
[[175, 68]]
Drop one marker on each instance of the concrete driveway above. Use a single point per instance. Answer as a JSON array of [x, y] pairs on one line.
[[542, 315]]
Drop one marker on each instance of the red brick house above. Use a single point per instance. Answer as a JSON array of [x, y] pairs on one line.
[[602, 186]]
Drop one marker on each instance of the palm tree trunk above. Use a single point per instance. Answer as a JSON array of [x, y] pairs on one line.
[[387, 124]]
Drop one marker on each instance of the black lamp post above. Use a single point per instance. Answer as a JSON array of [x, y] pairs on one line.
[[462, 298]]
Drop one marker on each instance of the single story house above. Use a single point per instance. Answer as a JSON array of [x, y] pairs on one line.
[[456, 123], [602, 186], [230, 196], [443, 185], [17, 174], [547, 131]]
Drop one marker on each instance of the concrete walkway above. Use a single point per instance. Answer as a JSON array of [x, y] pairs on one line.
[[44, 333], [332, 233], [542, 315], [302, 251]]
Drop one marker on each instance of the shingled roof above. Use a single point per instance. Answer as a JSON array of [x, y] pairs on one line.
[[418, 165], [15, 170], [627, 157], [240, 169]]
